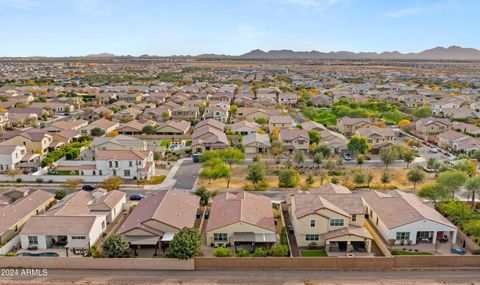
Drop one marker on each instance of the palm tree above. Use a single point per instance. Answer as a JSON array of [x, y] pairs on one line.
[[473, 185], [205, 195]]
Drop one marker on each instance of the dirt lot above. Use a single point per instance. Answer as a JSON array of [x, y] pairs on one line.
[[398, 178]]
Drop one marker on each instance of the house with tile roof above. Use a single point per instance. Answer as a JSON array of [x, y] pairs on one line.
[[242, 220], [403, 218], [330, 216], [157, 218]]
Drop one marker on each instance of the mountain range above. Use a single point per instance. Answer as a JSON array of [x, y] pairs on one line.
[[437, 53]]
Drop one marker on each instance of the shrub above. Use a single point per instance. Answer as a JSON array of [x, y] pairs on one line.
[[260, 252], [334, 180], [19, 180], [279, 250], [185, 244], [60, 194], [93, 252], [222, 252], [39, 180], [262, 186], [248, 187], [288, 178], [10, 253], [312, 245], [284, 237], [243, 253], [116, 246]]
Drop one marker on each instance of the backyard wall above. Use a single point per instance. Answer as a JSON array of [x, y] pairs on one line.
[[9, 245], [97, 263], [470, 244]]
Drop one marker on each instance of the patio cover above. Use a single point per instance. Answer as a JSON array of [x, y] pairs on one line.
[[143, 240], [78, 244], [168, 236], [254, 237]]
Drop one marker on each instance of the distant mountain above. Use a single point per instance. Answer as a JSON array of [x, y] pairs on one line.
[[101, 55], [438, 53]]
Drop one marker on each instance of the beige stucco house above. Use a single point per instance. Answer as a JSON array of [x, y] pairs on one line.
[[348, 126]]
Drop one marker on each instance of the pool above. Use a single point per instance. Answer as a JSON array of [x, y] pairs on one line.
[[38, 254]]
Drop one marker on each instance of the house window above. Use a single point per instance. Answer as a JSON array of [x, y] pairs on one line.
[[114, 172], [354, 218], [32, 239], [126, 172], [130, 163], [403, 236], [103, 225], [110, 164], [336, 222], [100, 172], [219, 237], [312, 223], [312, 237], [78, 237], [116, 163]]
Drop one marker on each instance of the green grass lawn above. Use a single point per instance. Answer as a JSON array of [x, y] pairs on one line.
[[313, 253], [188, 143], [401, 252], [165, 143]]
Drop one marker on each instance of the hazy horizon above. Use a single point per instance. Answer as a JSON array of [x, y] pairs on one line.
[[166, 28]]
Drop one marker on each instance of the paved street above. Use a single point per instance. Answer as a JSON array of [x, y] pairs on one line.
[[186, 175], [249, 277]]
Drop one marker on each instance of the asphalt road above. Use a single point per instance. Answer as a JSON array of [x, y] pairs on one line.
[[186, 175], [248, 277]]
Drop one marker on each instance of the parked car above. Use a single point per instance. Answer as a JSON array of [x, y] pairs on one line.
[[415, 149], [88, 187], [458, 250], [347, 156], [290, 229], [196, 157], [136, 197], [433, 150]]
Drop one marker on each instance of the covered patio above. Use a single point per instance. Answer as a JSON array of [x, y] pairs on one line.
[[144, 243], [77, 247], [250, 240], [348, 240]]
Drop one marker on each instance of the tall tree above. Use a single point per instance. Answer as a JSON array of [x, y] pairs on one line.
[[473, 185], [314, 136], [388, 156], [451, 181], [416, 175], [256, 173], [409, 157], [358, 144], [231, 156], [205, 195], [185, 244], [116, 246]]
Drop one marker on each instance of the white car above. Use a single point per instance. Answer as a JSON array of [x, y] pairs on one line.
[[433, 149]]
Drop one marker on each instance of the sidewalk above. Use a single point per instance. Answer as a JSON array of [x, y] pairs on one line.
[[169, 181]]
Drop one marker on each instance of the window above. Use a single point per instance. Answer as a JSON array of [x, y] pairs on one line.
[[32, 239], [130, 163], [100, 172], [110, 164], [354, 218], [312, 237], [116, 163], [336, 222], [78, 237], [219, 237], [126, 172], [114, 172], [312, 223], [403, 236], [103, 225]]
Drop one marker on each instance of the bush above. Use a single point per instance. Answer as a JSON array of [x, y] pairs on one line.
[[39, 180], [93, 252], [243, 253], [60, 194], [185, 244], [284, 237], [262, 186], [10, 253], [288, 178], [116, 246], [222, 252], [334, 180], [260, 252], [312, 245], [279, 250], [19, 180], [248, 187]]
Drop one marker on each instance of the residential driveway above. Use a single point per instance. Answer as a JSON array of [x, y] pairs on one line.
[[424, 151], [291, 237], [186, 175]]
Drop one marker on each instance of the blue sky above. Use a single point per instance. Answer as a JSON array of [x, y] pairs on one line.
[[166, 27]]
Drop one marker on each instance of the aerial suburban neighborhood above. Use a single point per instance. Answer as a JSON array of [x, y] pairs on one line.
[[178, 159]]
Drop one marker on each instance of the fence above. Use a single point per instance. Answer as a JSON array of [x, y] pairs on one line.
[[259, 263], [9, 245], [97, 263]]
